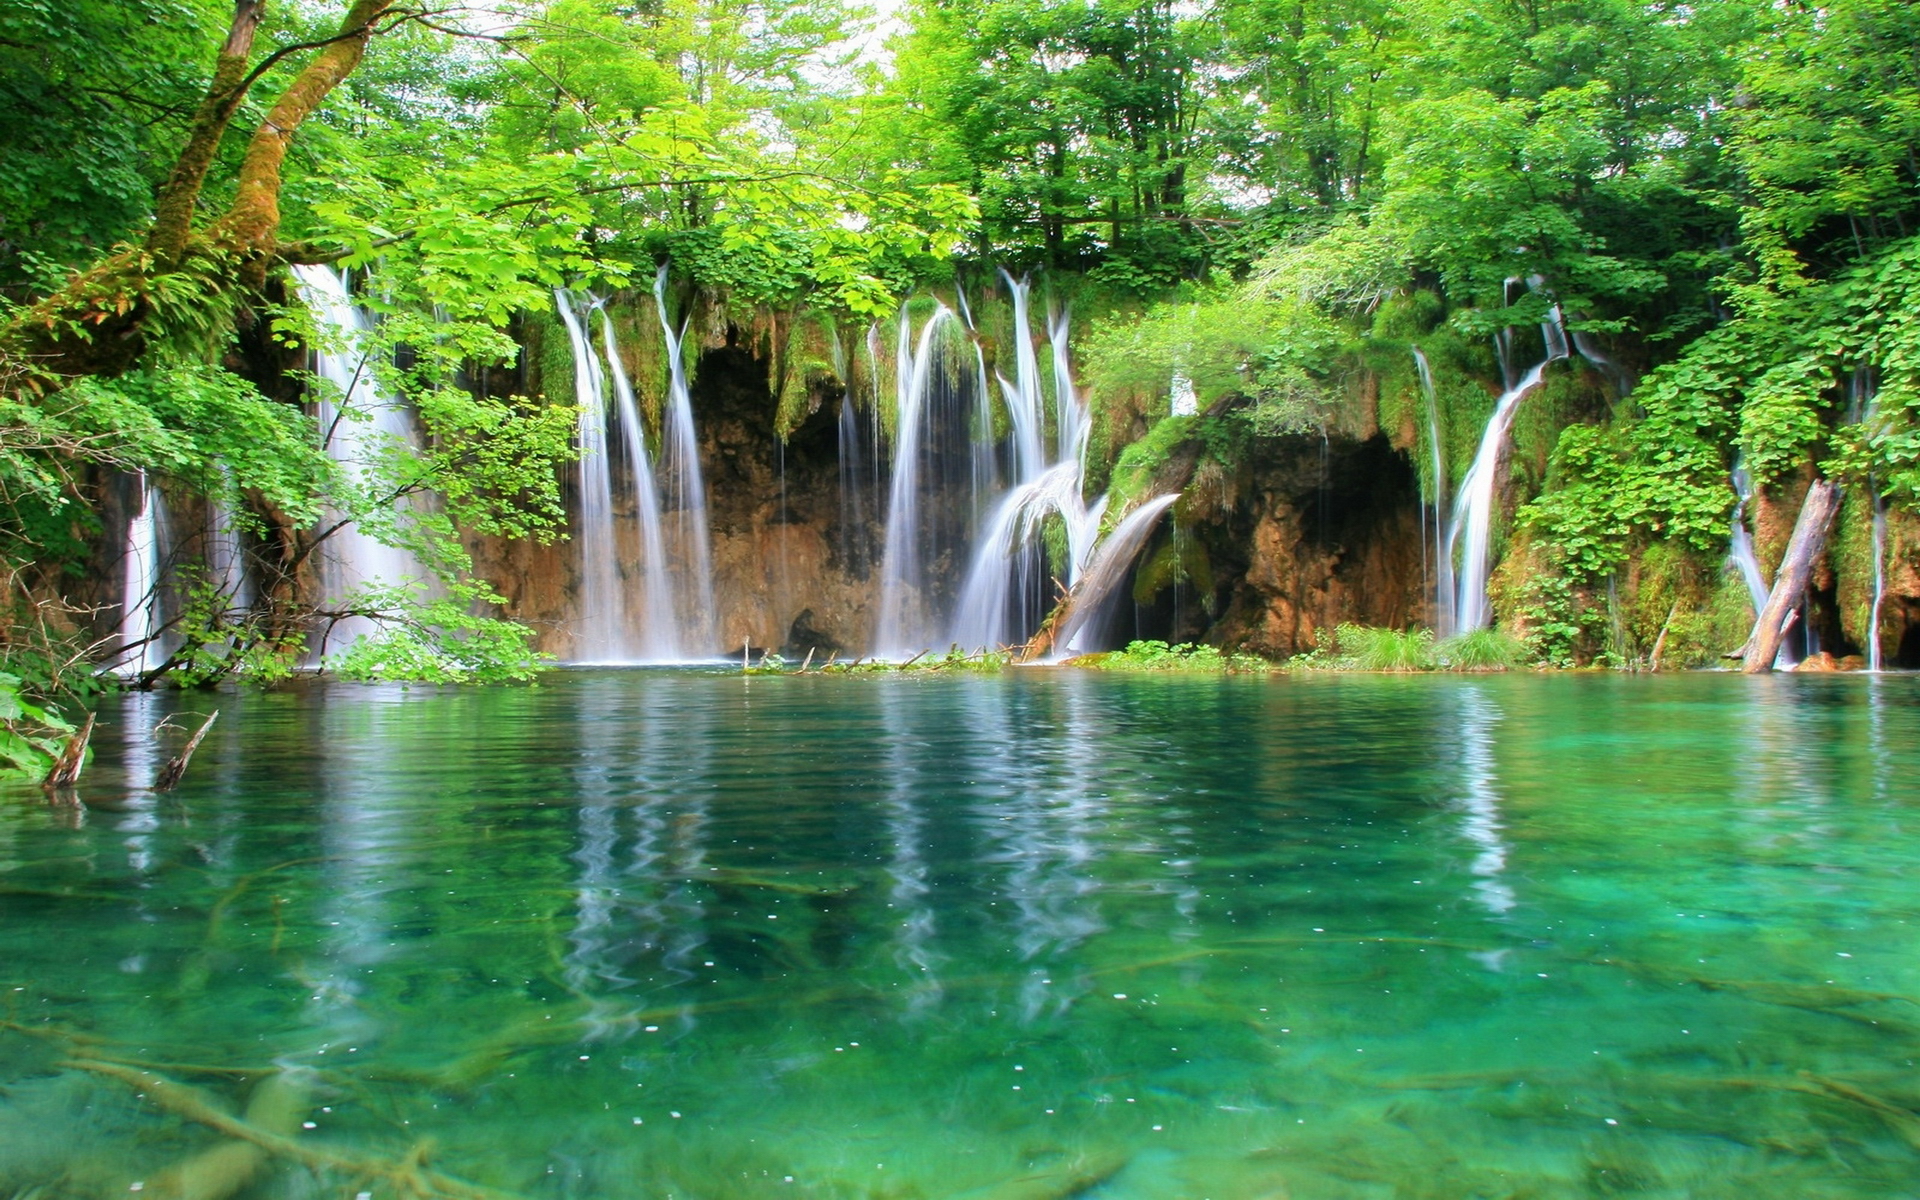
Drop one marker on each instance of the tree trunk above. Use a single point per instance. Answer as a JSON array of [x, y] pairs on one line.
[[98, 323], [173, 213], [1790, 581], [250, 223]]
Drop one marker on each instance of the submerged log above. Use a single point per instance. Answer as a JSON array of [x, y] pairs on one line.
[[1790, 582], [66, 768], [176, 767]]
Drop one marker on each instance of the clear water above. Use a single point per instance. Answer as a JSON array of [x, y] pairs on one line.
[[1046, 934]]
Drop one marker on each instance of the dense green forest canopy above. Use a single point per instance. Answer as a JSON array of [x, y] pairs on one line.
[[1269, 197]]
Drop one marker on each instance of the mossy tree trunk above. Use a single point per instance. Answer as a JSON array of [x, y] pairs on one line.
[[106, 319]]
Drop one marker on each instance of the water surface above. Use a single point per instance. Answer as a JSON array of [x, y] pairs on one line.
[[1039, 935]]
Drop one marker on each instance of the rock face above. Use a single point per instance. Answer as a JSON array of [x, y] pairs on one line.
[[794, 552], [1312, 534]]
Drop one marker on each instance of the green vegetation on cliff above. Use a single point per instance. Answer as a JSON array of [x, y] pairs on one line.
[[1275, 203]]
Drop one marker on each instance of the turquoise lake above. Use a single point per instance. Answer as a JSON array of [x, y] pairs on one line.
[[1028, 936]]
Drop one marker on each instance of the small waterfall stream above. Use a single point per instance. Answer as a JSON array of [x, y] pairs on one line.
[[660, 632], [680, 464], [902, 627], [1863, 402], [1471, 527], [1104, 575], [599, 632], [142, 626], [1443, 598], [361, 425], [609, 629], [1740, 546]]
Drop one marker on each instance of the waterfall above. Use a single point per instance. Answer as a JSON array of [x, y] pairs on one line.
[[1181, 399], [1619, 376], [1879, 581], [680, 460], [1863, 402], [1472, 522], [226, 562], [361, 428], [606, 633], [901, 626], [1443, 616], [1740, 548], [599, 634], [142, 626], [1003, 566], [660, 632], [1104, 574], [1046, 479]]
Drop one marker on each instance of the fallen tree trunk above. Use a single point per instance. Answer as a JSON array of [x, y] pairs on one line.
[[1809, 540]]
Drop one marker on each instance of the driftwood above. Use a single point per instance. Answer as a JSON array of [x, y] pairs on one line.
[[809, 662], [66, 768], [408, 1177], [1660, 643], [176, 767], [1790, 581]]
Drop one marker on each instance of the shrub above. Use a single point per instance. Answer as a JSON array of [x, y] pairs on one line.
[[1363, 648], [1480, 650], [1158, 656]]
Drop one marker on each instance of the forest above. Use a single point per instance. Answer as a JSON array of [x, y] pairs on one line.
[[1310, 250]]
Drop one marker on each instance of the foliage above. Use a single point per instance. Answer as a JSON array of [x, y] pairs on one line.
[[1157, 656], [31, 734], [955, 659]]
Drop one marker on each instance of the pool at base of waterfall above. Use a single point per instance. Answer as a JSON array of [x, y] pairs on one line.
[[1045, 934]]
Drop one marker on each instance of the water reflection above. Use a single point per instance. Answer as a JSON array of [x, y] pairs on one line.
[[640, 778], [995, 934], [909, 893], [1479, 720]]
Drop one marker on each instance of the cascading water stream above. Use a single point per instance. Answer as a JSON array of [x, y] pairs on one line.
[[1443, 597], [1047, 481], [1104, 575], [1740, 546], [680, 460], [901, 626], [660, 631], [361, 425], [1472, 524], [605, 632], [141, 623], [226, 562], [599, 634], [1864, 396]]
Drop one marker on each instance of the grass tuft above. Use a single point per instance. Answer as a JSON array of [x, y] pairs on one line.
[[1481, 650], [1362, 648]]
